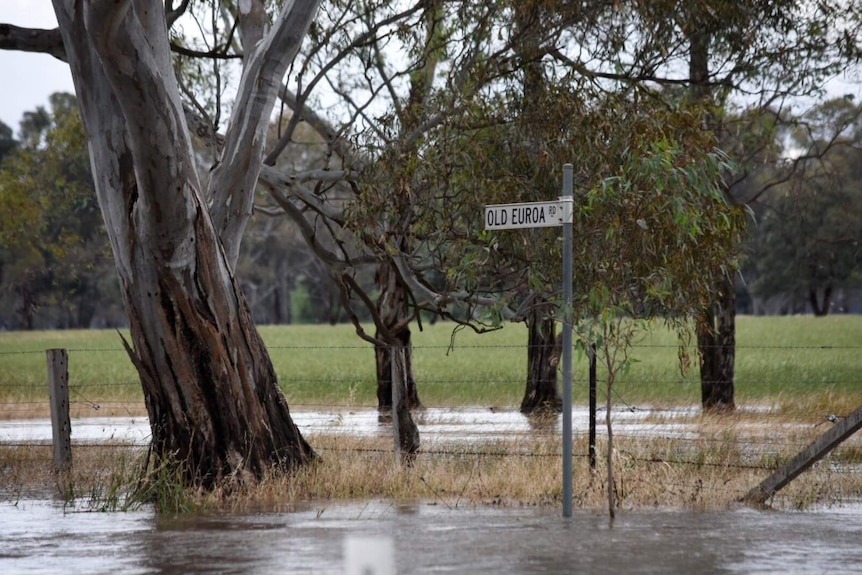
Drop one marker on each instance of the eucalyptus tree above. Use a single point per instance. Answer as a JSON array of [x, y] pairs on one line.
[[759, 55], [648, 211], [7, 140], [541, 394], [54, 253], [422, 66], [807, 239], [214, 405]]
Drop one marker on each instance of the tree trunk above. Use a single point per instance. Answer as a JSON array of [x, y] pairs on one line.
[[406, 431], [716, 342], [209, 386], [395, 315], [394, 360], [716, 328], [214, 405], [541, 394], [26, 308], [819, 308]]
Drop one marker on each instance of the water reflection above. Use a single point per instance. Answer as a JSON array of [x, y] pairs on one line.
[[43, 537]]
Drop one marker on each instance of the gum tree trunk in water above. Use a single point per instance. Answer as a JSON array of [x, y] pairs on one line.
[[541, 394], [214, 405], [395, 315], [406, 431], [716, 327], [716, 341]]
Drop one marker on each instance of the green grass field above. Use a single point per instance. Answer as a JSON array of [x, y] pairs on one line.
[[780, 360]]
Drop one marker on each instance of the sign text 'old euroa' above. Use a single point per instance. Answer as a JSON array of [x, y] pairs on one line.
[[524, 215]]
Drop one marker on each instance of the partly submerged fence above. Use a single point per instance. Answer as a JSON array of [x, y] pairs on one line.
[[341, 398]]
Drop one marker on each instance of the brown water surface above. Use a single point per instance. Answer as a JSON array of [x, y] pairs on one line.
[[40, 536]]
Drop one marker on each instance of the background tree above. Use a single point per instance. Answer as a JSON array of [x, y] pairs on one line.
[[56, 264], [7, 141], [807, 240], [770, 54]]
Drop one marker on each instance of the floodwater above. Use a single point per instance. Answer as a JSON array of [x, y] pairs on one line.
[[436, 425], [43, 537]]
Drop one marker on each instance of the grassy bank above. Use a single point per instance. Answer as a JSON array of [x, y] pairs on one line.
[[798, 363]]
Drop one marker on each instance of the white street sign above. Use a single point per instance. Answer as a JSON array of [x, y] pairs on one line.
[[527, 215]]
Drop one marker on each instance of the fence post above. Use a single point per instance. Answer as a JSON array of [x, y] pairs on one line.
[[58, 389], [395, 376], [592, 433]]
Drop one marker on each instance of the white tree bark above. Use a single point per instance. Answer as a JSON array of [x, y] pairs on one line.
[[234, 180], [211, 393]]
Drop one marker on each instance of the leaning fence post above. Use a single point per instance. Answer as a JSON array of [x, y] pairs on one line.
[[58, 389]]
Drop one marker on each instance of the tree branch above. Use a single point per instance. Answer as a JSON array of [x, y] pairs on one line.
[[32, 40], [235, 178]]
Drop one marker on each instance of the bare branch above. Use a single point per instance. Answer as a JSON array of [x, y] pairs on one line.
[[234, 179], [172, 14], [32, 40]]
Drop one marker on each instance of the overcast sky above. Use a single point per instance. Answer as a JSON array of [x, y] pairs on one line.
[[26, 80]]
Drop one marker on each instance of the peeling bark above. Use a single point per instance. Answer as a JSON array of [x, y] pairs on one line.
[[213, 401]]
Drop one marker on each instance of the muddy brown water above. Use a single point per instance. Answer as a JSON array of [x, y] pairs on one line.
[[43, 536]]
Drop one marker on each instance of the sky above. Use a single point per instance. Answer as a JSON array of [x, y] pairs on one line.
[[26, 79]]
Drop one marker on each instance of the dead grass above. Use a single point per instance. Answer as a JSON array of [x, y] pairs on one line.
[[99, 472], [711, 471]]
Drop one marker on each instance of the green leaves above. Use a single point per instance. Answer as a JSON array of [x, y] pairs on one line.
[[52, 244]]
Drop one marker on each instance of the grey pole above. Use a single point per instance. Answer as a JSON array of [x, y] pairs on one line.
[[568, 207]]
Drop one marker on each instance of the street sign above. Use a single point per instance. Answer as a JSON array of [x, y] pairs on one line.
[[526, 215], [545, 215]]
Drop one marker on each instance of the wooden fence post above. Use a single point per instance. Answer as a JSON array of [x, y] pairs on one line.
[[58, 389], [592, 433], [397, 372]]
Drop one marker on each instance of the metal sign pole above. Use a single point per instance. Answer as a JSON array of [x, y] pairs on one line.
[[568, 206], [542, 215]]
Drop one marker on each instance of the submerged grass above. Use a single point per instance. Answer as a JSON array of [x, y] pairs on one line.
[[709, 469]]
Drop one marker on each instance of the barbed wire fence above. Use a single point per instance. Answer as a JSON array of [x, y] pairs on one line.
[[475, 431]]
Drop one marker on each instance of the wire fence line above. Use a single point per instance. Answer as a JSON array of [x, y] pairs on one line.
[[850, 377], [85, 397], [739, 347]]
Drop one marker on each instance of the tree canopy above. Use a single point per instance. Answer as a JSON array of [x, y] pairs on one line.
[[56, 265]]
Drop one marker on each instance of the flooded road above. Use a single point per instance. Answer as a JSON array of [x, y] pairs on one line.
[[42, 537]]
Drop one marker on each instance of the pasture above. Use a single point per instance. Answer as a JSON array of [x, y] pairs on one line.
[[793, 364]]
